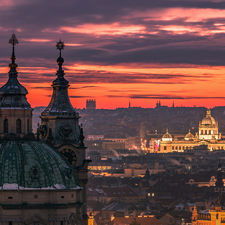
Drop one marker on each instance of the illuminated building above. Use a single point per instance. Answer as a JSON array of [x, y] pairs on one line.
[[207, 135], [213, 216]]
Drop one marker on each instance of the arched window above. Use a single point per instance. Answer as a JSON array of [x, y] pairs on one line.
[[205, 131], [18, 126], [201, 131], [209, 131], [28, 126], [6, 130]]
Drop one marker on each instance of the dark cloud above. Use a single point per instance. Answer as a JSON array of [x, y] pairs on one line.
[[75, 96], [39, 19]]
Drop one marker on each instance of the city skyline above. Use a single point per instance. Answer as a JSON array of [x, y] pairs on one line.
[[115, 52]]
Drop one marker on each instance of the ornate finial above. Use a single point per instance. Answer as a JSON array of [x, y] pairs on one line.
[[60, 45], [13, 41], [167, 130]]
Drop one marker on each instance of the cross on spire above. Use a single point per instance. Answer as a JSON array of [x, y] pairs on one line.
[[60, 45], [13, 41]]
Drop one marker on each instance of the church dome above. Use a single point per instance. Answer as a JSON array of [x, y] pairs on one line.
[[29, 165], [189, 136], [167, 136], [13, 87], [208, 120]]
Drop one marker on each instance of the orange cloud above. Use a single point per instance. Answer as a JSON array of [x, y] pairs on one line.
[[189, 14], [36, 40], [102, 29]]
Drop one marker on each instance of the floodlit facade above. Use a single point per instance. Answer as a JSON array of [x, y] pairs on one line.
[[208, 134]]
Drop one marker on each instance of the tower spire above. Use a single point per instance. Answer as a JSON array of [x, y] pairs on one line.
[[60, 45], [60, 102], [13, 97], [13, 41]]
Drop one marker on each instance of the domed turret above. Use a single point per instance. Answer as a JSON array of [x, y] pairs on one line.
[[13, 94], [208, 128], [189, 136], [16, 112], [208, 120], [167, 136]]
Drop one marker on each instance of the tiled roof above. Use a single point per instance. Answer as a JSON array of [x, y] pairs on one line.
[[118, 206]]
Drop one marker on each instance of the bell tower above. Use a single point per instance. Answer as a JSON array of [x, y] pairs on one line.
[[60, 128], [16, 112]]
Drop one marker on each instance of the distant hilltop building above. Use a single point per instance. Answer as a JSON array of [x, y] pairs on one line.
[[90, 104], [207, 135], [158, 104]]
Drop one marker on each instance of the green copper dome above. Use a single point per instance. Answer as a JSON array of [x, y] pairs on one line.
[[34, 165]]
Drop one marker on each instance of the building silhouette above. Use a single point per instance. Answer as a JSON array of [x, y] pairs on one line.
[[90, 104]]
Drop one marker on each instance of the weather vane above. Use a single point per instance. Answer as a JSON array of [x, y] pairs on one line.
[[60, 45]]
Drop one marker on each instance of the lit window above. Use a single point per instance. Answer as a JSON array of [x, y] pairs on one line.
[[149, 194], [153, 194]]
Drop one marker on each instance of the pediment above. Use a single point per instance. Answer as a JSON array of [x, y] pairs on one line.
[[73, 219], [36, 220], [204, 142]]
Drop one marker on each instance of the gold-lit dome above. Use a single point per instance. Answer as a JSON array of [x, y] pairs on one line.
[[167, 136], [189, 136], [208, 120]]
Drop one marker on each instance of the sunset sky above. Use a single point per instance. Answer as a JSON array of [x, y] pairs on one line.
[[118, 51]]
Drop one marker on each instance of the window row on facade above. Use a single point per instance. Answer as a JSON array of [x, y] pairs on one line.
[[207, 132], [18, 126], [191, 147]]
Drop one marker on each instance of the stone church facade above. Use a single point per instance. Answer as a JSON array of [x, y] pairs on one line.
[[43, 178]]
